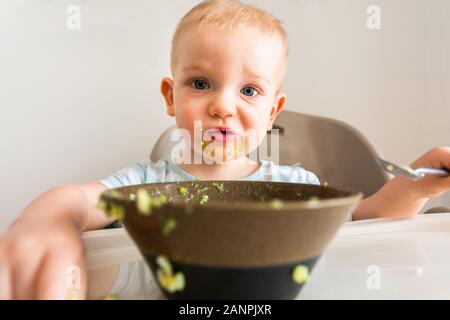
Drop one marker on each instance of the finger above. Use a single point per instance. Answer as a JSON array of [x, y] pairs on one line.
[[61, 277], [24, 274], [5, 281], [440, 158]]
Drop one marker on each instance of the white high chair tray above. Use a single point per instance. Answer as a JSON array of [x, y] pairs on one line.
[[371, 259], [385, 259]]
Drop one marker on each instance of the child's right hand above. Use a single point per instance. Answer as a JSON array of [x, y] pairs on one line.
[[42, 254], [42, 260]]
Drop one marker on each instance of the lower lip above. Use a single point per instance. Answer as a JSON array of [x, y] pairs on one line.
[[224, 138]]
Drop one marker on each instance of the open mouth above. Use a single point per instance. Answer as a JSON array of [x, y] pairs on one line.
[[218, 134], [223, 136], [230, 144]]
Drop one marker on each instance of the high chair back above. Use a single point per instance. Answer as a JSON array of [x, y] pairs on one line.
[[336, 152]]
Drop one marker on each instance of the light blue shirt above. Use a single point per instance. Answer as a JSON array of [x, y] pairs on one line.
[[167, 171]]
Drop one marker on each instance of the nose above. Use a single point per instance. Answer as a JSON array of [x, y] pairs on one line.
[[223, 105]]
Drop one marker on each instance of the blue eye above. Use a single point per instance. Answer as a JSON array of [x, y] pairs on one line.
[[249, 91], [200, 84]]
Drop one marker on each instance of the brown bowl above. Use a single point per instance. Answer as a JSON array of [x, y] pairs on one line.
[[245, 240]]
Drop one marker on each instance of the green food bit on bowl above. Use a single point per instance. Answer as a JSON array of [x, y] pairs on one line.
[[171, 283], [114, 193], [390, 167], [204, 199], [160, 201], [166, 279], [202, 190], [145, 203], [164, 264], [169, 225], [113, 210], [103, 205], [182, 190], [276, 204], [300, 274], [218, 186], [116, 211]]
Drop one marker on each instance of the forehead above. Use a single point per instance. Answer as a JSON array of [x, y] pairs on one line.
[[241, 49]]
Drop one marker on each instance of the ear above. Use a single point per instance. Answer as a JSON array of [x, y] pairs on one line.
[[167, 93], [279, 103]]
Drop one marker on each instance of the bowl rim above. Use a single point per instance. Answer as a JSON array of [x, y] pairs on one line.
[[354, 196]]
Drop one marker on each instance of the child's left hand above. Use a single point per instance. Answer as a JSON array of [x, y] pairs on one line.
[[432, 186], [402, 197]]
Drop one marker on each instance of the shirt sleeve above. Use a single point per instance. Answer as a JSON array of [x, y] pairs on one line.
[[132, 175], [303, 176], [311, 178]]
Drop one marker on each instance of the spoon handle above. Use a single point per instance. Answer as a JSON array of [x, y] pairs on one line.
[[432, 171]]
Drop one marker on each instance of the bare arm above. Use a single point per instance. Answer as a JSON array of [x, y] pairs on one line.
[[401, 198], [96, 217], [45, 240], [393, 200], [76, 203]]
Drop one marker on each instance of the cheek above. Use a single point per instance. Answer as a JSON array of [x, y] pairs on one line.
[[257, 118], [187, 111], [255, 124], [186, 119]]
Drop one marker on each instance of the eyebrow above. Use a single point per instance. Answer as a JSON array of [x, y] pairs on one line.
[[194, 67], [260, 78]]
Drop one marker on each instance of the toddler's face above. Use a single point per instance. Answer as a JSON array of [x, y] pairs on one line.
[[226, 78]]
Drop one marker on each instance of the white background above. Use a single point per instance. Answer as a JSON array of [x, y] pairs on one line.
[[76, 105]]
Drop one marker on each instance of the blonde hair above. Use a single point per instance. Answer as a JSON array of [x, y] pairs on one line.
[[228, 14]]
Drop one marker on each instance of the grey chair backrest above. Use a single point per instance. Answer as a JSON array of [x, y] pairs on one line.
[[336, 152]]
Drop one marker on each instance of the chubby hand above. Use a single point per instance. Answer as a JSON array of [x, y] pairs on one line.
[[402, 197], [432, 186], [40, 260]]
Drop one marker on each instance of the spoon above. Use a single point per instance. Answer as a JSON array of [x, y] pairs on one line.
[[410, 173]]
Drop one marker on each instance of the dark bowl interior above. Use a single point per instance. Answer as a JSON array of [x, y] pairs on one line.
[[231, 239]]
